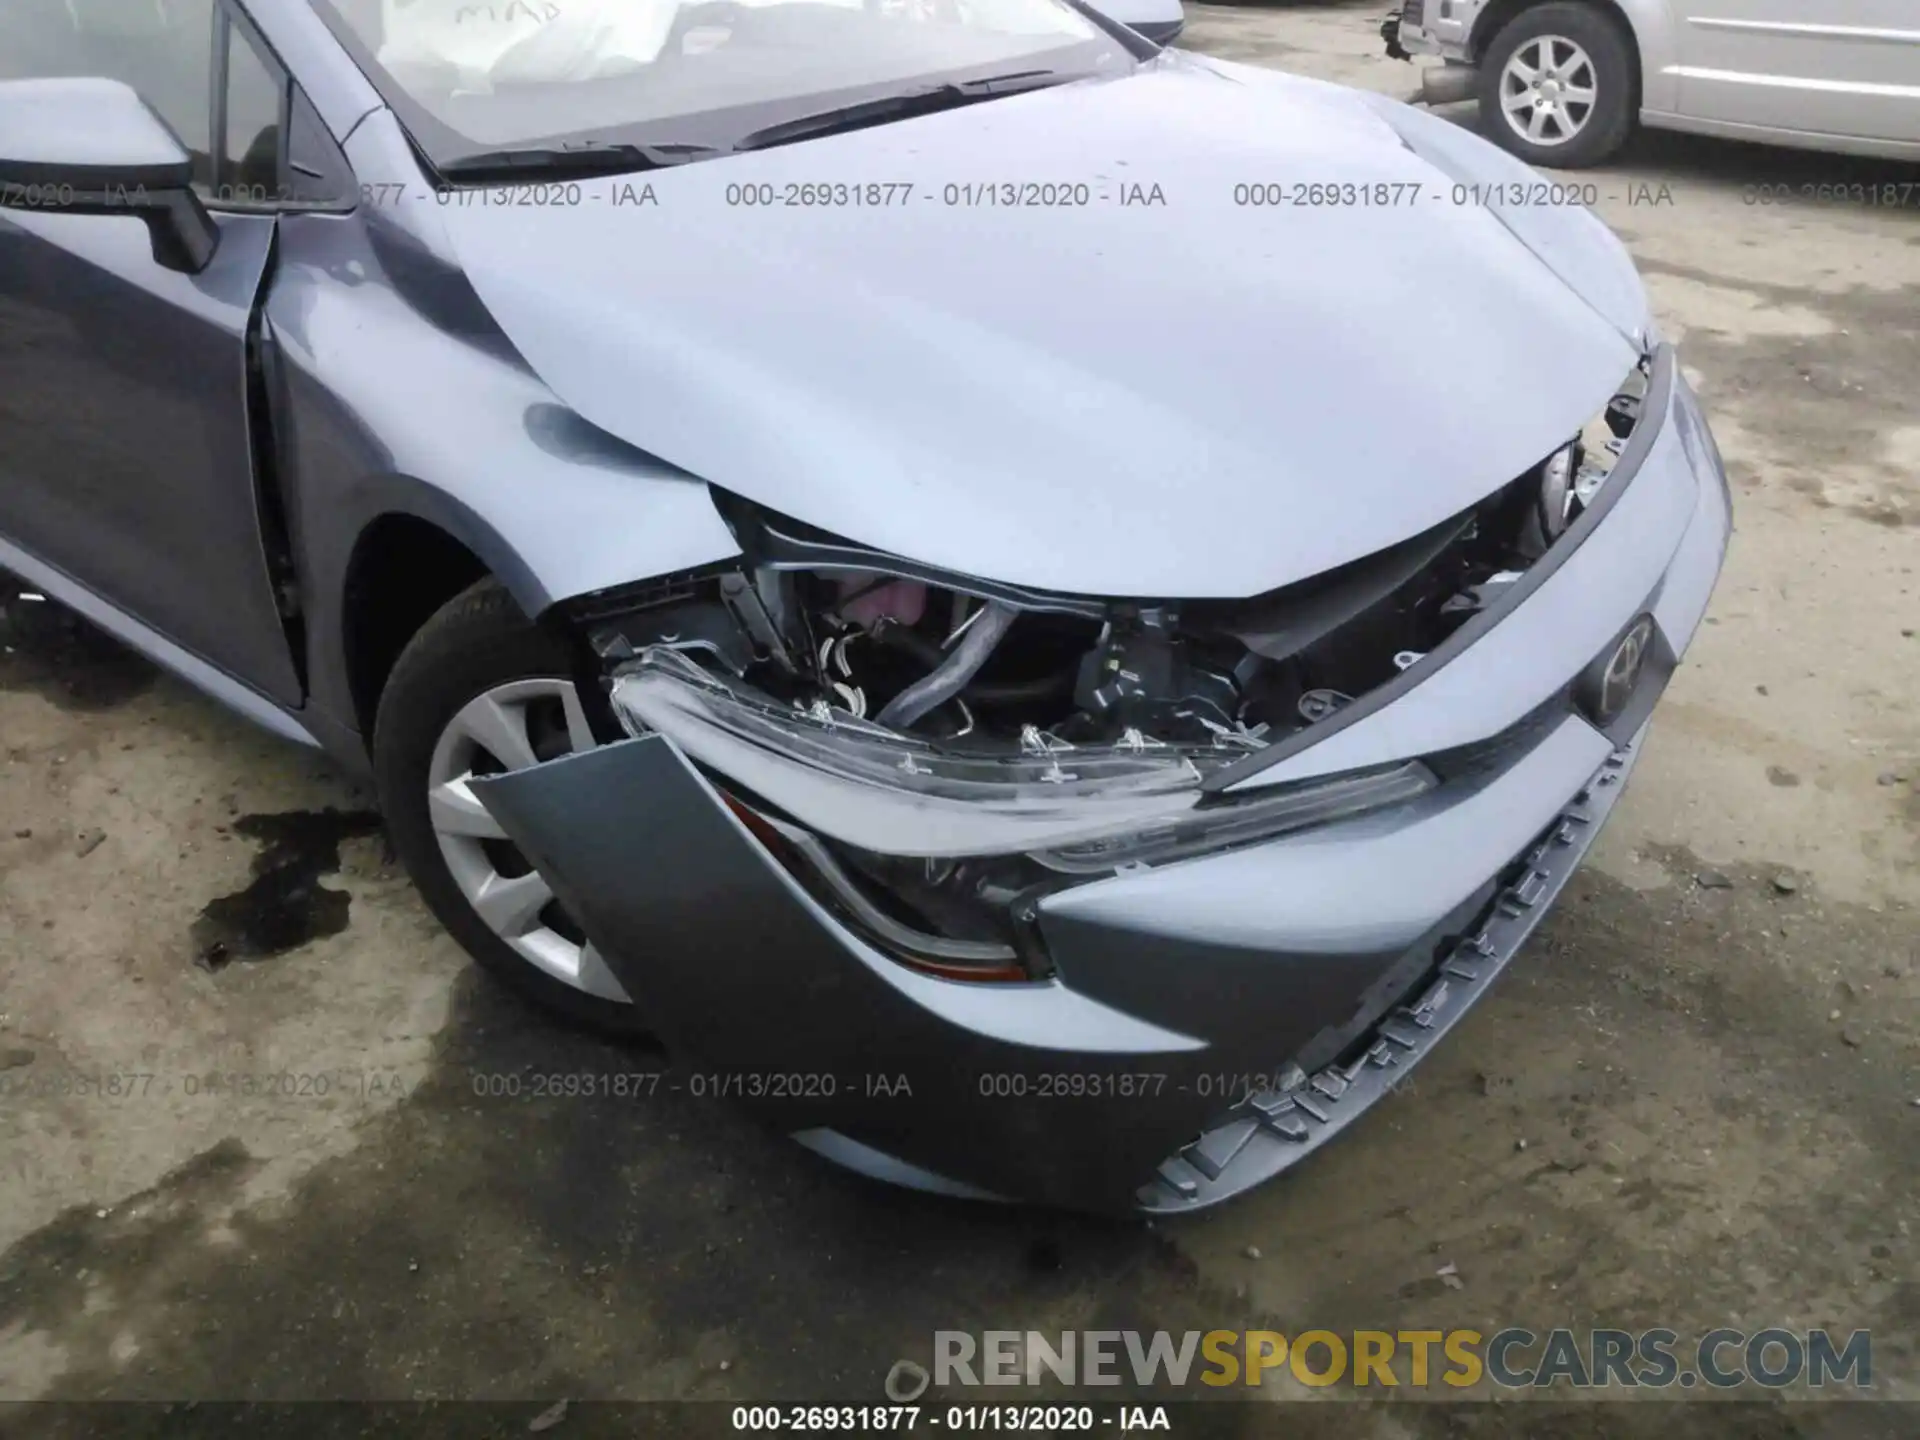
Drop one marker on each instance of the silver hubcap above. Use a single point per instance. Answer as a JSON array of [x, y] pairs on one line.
[[512, 727], [1548, 89]]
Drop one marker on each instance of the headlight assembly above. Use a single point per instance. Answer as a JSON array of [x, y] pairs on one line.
[[1080, 809], [858, 782], [869, 816]]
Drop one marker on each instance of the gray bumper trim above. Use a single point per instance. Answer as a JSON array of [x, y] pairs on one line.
[[1274, 1130]]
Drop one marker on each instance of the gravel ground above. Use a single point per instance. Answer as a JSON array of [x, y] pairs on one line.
[[1695, 1102]]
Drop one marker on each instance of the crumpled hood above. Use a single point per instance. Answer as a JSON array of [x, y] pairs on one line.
[[1162, 392]]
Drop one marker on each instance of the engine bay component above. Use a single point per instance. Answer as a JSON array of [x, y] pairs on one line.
[[897, 794], [950, 677], [1317, 705], [968, 672], [1142, 676]]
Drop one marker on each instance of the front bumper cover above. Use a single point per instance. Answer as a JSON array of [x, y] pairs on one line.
[[1276, 1129], [1211, 1021], [1063, 1091]]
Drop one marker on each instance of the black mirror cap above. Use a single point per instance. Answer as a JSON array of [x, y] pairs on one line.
[[97, 182]]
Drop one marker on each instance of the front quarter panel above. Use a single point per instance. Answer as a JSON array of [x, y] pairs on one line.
[[399, 396]]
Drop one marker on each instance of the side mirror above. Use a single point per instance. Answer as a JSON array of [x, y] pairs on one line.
[[1158, 20], [92, 147]]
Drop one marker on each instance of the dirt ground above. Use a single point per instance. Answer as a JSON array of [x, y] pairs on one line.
[[1694, 1102]]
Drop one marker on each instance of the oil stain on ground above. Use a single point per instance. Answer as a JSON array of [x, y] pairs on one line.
[[285, 906], [49, 650]]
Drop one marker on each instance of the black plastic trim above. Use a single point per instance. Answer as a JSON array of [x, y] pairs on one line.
[[263, 382]]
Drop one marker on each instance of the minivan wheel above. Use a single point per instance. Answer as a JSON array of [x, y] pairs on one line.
[[482, 691], [1557, 86]]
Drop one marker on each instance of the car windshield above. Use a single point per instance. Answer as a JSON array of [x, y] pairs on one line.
[[478, 77]]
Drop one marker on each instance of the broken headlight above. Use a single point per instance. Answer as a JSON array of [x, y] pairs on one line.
[[881, 790], [936, 851]]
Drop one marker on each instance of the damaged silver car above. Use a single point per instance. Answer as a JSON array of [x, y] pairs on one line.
[[847, 539]]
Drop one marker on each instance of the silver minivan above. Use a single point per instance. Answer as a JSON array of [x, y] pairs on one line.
[[1561, 82]]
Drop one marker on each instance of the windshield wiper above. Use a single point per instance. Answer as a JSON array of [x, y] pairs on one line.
[[925, 101], [575, 160]]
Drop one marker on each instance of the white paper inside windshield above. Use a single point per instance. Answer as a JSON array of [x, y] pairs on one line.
[[523, 40], [505, 42]]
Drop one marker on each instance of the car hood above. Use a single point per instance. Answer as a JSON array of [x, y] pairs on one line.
[[1163, 391]]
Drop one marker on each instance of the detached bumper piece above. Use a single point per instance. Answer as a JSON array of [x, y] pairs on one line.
[[1274, 1130]]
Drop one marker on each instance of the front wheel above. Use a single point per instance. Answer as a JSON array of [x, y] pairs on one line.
[[481, 691], [1558, 86]]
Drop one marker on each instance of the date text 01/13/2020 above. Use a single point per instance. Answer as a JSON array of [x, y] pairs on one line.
[[1078, 1085], [700, 1084], [1039, 1419]]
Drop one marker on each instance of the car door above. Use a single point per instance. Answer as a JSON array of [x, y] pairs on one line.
[[126, 445], [1844, 67]]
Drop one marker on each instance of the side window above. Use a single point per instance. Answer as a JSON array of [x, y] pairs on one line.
[[274, 149], [317, 171], [256, 104], [162, 48]]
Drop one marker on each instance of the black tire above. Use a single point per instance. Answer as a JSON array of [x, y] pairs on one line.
[[1617, 83], [477, 641]]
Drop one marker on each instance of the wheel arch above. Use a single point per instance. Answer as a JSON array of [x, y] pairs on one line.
[[405, 563], [1643, 29]]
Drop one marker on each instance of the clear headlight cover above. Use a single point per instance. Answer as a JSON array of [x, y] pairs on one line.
[[1080, 809], [1258, 817]]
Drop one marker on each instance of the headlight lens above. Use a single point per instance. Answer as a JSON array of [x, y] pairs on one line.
[[1260, 817], [1079, 810]]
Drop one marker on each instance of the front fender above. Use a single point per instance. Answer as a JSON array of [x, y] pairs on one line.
[[393, 402]]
